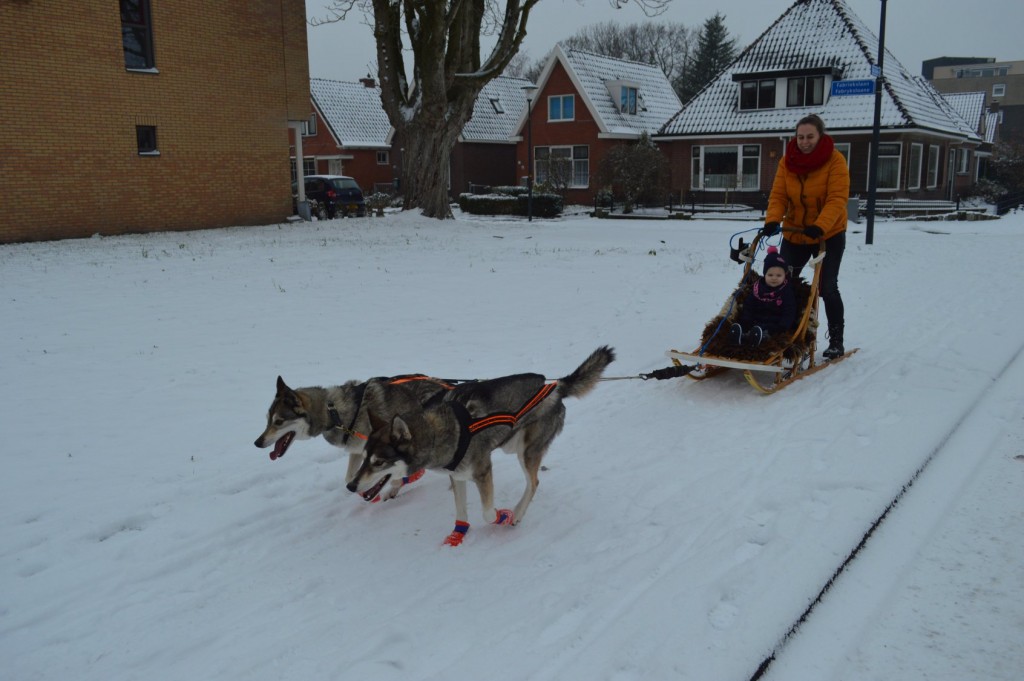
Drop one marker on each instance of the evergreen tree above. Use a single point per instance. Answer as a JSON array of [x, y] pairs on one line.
[[715, 51]]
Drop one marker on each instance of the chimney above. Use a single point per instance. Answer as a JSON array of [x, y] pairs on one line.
[[368, 81]]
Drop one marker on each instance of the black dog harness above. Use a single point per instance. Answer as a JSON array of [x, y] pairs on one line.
[[349, 431], [468, 427]]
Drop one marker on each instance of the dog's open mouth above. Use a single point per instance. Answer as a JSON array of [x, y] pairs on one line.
[[372, 493], [281, 446]]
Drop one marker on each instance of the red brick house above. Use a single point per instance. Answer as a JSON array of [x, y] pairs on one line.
[[348, 133], [730, 136], [584, 105], [152, 114]]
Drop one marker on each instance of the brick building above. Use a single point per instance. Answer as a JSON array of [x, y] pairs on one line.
[[165, 115]]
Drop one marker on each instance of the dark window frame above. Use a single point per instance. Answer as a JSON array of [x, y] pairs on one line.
[[145, 140], [137, 35]]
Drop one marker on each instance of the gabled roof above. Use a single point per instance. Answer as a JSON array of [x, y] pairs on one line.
[[497, 111], [595, 77], [353, 113], [814, 35]]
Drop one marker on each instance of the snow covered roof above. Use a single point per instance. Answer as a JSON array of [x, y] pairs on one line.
[[969, 105], [497, 111], [817, 36], [353, 112], [599, 80]]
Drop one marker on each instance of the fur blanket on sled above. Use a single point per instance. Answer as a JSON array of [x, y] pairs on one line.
[[715, 339]]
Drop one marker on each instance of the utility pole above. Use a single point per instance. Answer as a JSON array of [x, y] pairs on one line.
[[875, 134]]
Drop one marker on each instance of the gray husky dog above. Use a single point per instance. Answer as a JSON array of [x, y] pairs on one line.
[[339, 414], [457, 431]]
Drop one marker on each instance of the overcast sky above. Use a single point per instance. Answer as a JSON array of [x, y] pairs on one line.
[[915, 29]]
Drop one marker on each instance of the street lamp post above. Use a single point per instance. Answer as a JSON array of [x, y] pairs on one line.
[[530, 91]]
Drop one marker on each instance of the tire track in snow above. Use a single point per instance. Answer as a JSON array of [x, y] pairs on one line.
[[946, 488]]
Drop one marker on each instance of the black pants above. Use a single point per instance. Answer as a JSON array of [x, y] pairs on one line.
[[797, 256]]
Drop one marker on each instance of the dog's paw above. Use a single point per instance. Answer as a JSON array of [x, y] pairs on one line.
[[414, 477], [504, 516], [458, 534]]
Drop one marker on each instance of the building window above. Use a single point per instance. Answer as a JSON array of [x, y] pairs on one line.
[[309, 126], [137, 34], [914, 175], [999, 90], [805, 91], [562, 108], [757, 94], [145, 138], [308, 167], [726, 167], [563, 166], [844, 149], [889, 165], [962, 161], [627, 104], [933, 166], [383, 158]]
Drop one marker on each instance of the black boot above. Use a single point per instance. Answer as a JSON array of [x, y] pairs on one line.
[[736, 334], [835, 342]]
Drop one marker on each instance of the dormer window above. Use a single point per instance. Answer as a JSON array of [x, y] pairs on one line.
[[785, 88], [496, 103], [628, 100], [805, 91], [757, 94], [625, 95]]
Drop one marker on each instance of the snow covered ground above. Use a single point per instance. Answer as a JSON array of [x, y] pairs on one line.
[[681, 528]]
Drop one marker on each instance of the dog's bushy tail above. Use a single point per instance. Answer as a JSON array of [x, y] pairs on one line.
[[586, 376]]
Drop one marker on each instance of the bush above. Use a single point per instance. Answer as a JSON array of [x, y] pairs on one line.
[[544, 205]]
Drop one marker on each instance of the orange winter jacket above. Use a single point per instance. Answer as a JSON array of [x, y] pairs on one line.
[[817, 198]]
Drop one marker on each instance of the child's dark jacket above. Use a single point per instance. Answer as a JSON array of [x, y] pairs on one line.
[[773, 309]]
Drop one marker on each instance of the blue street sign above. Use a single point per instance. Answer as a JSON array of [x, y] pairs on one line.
[[843, 88], [875, 71]]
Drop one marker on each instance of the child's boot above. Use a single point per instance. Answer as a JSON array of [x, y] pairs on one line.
[[736, 334]]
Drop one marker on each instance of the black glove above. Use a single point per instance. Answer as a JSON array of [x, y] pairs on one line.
[[813, 232], [769, 229]]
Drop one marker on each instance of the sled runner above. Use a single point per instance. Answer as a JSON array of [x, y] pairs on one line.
[[776, 362]]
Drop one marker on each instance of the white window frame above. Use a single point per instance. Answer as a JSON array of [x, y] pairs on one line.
[[844, 149], [383, 157], [562, 99], [916, 158], [963, 160], [578, 156], [898, 156], [629, 99], [309, 126], [933, 166], [743, 152], [999, 90]]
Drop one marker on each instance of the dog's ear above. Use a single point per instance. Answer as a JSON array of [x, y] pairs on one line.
[[282, 389], [376, 422], [400, 431]]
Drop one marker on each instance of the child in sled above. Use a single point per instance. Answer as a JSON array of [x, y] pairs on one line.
[[769, 308]]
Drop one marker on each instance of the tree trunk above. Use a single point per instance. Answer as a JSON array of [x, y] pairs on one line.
[[427, 145]]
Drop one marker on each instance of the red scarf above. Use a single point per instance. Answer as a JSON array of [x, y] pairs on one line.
[[800, 163]]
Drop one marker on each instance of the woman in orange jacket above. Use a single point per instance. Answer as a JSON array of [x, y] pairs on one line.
[[809, 198]]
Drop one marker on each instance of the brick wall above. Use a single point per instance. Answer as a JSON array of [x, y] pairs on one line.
[[229, 77]]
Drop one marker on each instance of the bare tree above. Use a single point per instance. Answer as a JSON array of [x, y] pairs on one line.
[[666, 45], [429, 98]]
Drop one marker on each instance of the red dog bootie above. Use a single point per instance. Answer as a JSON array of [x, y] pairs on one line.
[[414, 477], [458, 534], [504, 516]]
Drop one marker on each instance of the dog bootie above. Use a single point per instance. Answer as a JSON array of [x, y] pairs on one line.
[[736, 334], [414, 477], [458, 534], [504, 516]]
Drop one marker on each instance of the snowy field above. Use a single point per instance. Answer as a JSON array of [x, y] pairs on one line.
[[681, 528]]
